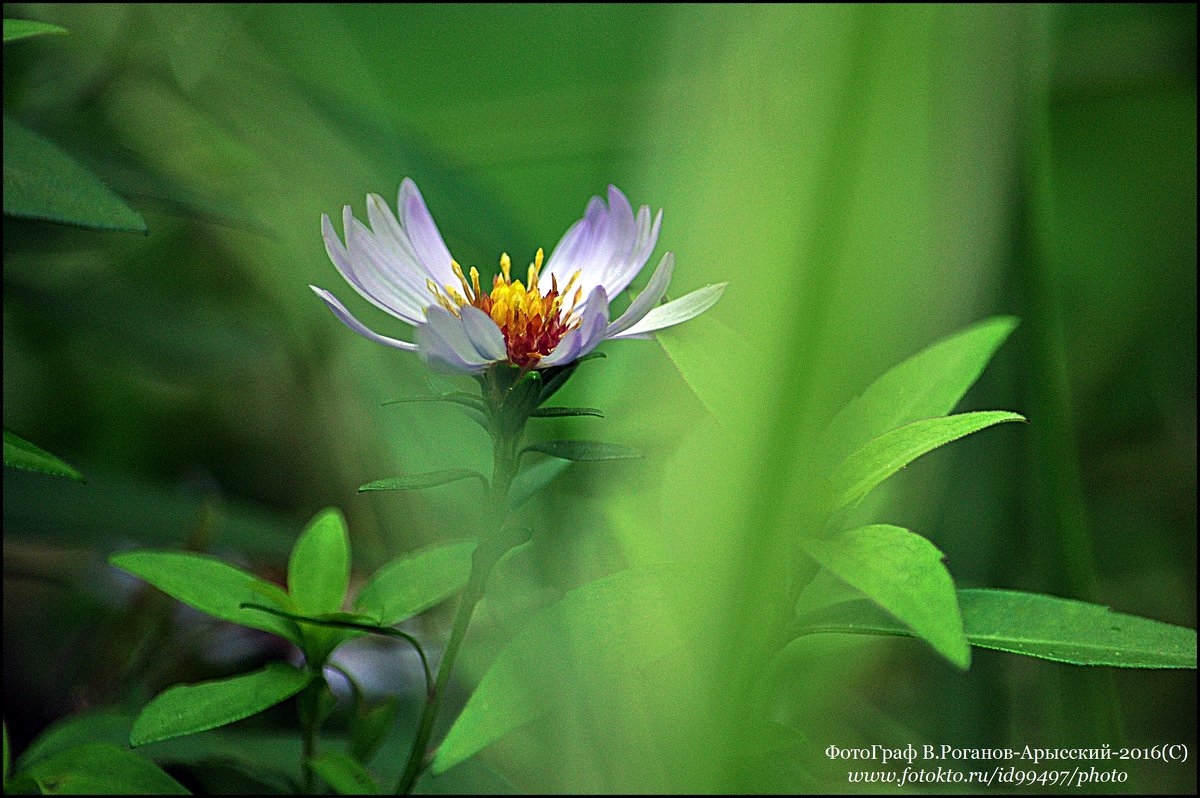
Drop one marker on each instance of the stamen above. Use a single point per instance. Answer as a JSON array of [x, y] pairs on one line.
[[506, 267], [477, 293], [458, 272]]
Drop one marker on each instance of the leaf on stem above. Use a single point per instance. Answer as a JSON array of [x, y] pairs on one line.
[[102, 769], [559, 412], [584, 451], [533, 479], [1035, 625], [20, 453], [344, 774], [904, 574], [412, 583], [319, 566], [458, 397], [883, 456], [192, 708], [15, 29], [429, 479]]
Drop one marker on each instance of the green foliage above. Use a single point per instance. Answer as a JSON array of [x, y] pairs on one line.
[[96, 726], [20, 453], [584, 451], [43, 182], [412, 583], [430, 479], [211, 586], [560, 412], [319, 568], [344, 774], [533, 479], [886, 454], [1046, 627], [15, 29], [925, 385], [903, 573], [101, 769], [599, 631], [187, 709], [369, 727]]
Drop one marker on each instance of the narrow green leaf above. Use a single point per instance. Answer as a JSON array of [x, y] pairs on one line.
[[15, 29], [458, 397], [595, 632], [369, 728], [883, 456], [559, 412], [904, 574], [430, 479], [43, 182], [533, 479], [192, 708], [102, 769], [211, 586], [344, 775], [20, 453], [928, 384], [1035, 625], [319, 567], [582, 451], [413, 583]]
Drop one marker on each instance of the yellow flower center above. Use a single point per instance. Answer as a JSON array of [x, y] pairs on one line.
[[532, 322]]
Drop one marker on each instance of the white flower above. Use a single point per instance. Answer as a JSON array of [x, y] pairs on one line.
[[558, 314]]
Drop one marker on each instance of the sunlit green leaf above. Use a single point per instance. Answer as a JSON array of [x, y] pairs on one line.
[[926, 385], [533, 479], [412, 583], [43, 182], [582, 451], [102, 769], [210, 586], [883, 456], [903, 573], [344, 774], [191, 708], [597, 631], [1046, 627], [319, 567], [20, 453], [15, 29], [429, 479]]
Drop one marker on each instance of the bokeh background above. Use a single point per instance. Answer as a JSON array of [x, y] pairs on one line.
[[868, 178]]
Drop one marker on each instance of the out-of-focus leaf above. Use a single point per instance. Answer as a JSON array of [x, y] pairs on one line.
[[596, 631], [559, 412], [903, 573], [429, 479], [532, 479], [556, 378], [584, 451], [6, 753], [1046, 627], [369, 727], [344, 774], [928, 384], [191, 708], [211, 586], [457, 397], [20, 453], [883, 456], [43, 182], [100, 726], [413, 583], [102, 769], [15, 29], [319, 568]]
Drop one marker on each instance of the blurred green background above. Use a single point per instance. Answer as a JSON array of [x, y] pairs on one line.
[[868, 179]]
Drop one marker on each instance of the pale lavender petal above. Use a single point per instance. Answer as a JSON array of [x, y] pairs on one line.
[[423, 233], [373, 281], [647, 238], [651, 295], [340, 311], [593, 321], [453, 331], [676, 312], [389, 232], [439, 355], [484, 334]]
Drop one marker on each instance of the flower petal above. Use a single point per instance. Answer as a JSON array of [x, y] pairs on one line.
[[423, 233], [340, 311], [444, 338], [651, 295], [593, 321], [484, 334], [676, 312], [371, 279]]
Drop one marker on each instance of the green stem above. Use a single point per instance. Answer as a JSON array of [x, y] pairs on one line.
[[508, 425]]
